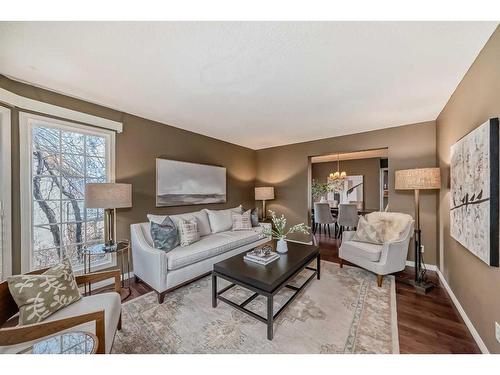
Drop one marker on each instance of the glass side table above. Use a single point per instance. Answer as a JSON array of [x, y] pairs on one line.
[[66, 343], [122, 251]]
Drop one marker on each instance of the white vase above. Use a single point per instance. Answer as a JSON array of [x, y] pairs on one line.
[[281, 247]]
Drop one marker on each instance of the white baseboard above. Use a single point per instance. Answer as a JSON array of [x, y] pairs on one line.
[[430, 267], [463, 314]]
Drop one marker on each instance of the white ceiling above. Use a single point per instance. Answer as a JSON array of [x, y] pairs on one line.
[[257, 84]]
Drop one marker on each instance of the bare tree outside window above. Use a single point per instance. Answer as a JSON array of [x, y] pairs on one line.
[[62, 163]]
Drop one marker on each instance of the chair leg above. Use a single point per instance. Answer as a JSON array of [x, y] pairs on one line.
[[341, 263], [161, 297], [120, 323], [329, 235], [380, 278]]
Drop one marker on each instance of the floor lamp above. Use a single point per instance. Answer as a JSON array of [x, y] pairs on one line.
[[416, 180]]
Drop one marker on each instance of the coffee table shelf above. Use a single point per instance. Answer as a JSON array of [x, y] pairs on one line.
[[267, 280]]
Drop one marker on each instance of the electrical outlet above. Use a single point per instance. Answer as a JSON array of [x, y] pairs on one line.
[[422, 249], [497, 331]]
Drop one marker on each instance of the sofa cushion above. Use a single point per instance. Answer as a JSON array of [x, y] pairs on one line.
[[221, 220], [209, 246], [365, 250], [109, 302]]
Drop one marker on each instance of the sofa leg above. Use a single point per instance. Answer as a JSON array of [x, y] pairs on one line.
[[161, 297], [136, 279], [341, 263], [120, 323], [380, 278]]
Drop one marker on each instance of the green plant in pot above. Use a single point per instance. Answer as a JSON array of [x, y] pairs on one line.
[[279, 231]]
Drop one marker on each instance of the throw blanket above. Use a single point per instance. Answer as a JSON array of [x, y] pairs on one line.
[[380, 227]]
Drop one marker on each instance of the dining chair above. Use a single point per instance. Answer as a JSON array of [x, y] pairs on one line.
[[359, 204], [348, 217], [323, 217]]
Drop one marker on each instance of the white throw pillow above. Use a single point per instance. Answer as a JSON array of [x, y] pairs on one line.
[[188, 230], [221, 220], [242, 221]]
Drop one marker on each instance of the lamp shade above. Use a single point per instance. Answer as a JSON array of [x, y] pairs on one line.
[[264, 193], [418, 179], [108, 195]]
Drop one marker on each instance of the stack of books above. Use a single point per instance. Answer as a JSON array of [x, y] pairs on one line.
[[261, 257]]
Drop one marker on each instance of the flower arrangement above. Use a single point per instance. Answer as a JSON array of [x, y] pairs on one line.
[[279, 224]]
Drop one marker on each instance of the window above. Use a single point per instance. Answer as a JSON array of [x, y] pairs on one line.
[[59, 158]]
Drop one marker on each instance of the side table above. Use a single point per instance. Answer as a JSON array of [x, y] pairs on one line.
[[122, 250]]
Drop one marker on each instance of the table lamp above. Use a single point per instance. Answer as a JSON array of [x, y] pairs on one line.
[[418, 179], [263, 194], [108, 196]]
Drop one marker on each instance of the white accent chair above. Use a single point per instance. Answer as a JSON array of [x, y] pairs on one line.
[[381, 259]]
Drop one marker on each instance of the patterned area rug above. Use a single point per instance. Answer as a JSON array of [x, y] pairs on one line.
[[344, 312]]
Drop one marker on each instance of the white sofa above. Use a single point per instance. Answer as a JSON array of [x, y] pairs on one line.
[[164, 271]]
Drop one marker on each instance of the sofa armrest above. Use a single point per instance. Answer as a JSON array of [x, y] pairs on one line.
[[150, 264]]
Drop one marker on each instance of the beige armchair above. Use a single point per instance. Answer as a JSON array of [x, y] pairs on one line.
[[99, 313]]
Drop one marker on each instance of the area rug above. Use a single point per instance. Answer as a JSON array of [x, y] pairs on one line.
[[344, 312]]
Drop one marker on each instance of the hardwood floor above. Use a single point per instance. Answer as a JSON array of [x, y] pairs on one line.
[[426, 323]]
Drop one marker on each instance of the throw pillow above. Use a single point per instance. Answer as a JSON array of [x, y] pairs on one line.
[[365, 232], [189, 231], [39, 296], [242, 221], [255, 217], [164, 235]]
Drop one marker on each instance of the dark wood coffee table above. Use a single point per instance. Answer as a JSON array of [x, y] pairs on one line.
[[265, 280]]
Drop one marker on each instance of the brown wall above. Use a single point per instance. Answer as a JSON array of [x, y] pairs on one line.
[[286, 168], [136, 149], [368, 168], [476, 99]]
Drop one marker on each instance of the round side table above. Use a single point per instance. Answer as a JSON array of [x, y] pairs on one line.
[[78, 342], [122, 251]]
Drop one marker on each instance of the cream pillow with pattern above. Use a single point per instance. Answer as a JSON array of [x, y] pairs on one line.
[[188, 230], [242, 221], [39, 296]]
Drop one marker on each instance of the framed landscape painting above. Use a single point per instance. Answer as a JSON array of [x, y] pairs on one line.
[[181, 183], [474, 180]]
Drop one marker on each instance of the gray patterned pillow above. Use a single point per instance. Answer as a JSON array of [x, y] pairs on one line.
[[164, 235], [39, 296], [365, 232], [242, 221], [189, 231]]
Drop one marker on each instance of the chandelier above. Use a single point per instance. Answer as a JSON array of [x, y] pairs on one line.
[[338, 175]]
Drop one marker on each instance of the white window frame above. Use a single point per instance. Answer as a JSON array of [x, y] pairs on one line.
[[26, 192], [6, 192]]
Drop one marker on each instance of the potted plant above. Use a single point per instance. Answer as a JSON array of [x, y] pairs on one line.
[[279, 232]]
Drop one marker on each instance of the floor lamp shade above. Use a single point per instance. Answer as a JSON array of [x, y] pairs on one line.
[[108, 196], [418, 179], [263, 194]]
